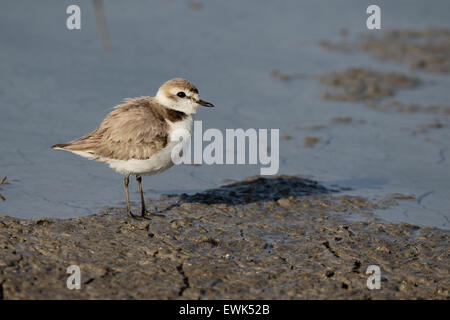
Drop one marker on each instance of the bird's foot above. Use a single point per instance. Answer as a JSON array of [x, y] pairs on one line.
[[147, 213], [136, 217]]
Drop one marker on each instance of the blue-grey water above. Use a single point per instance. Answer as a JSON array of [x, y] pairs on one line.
[[57, 85]]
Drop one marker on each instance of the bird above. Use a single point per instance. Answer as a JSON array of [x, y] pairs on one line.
[[135, 138]]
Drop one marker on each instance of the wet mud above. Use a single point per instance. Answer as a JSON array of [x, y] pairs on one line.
[[427, 49], [376, 89], [358, 84], [279, 238], [310, 142], [332, 122], [402, 107], [372, 88]]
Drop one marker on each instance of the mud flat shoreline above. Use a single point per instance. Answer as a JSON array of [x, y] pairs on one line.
[[278, 238]]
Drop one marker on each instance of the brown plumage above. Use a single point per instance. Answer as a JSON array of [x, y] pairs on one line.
[[135, 129]]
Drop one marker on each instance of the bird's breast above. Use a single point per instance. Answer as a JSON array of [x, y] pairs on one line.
[[178, 129]]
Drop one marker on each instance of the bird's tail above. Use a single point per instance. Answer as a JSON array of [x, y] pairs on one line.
[[60, 146]]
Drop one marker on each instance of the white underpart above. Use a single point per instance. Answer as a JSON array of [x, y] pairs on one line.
[[160, 161]]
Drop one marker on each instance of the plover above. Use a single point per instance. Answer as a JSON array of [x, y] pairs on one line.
[[135, 138]]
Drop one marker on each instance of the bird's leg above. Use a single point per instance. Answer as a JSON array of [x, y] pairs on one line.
[[139, 183], [144, 210], [126, 180]]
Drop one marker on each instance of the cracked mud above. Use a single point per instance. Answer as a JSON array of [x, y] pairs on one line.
[[280, 238]]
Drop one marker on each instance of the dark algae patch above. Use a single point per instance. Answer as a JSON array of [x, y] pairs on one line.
[[280, 238]]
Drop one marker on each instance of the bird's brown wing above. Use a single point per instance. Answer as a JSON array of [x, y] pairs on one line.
[[133, 130]]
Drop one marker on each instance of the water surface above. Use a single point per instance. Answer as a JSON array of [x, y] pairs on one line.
[[57, 85]]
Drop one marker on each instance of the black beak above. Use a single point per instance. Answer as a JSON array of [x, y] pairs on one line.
[[205, 104]]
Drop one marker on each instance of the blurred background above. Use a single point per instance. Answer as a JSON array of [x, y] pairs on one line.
[[58, 84]]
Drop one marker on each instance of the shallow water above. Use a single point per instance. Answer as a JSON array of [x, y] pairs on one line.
[[57, 85]]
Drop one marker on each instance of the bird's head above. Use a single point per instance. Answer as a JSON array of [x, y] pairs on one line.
[[181, 95]]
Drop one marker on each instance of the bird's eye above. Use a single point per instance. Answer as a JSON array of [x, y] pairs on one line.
[[181, 94]]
